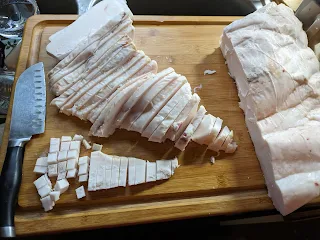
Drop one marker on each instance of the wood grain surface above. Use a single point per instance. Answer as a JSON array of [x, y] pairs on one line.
[[233, 184]]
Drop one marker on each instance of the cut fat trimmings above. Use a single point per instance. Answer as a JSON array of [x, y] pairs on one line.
[[212, 159], [77, 137], [66, 138], [195, 90], [86, 144], [209, 72], [96, 147], [80, 192], [40, 169]]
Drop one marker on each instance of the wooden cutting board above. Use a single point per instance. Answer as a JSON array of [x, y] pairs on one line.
[[190, 45]]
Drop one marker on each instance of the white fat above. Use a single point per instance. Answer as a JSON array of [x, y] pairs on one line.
[[54, 145], [65, 146], [66, 138], [209, 72], [96, 147], [52, 158], [80, 192], [62, 156], [61, 185], [77, 137], [73, 154], [40, 169], [83, 178], [86, 144], [196, 89], [71, 164], [53, 170], [75, 145], [42, 161], [84, 159]]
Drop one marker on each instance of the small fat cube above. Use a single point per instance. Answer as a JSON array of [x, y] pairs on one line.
[[40, 169], [72, 173], [83, 160], [44, 191], [131, 171], [42, 161], [80, 192], [86, 144], [83, 169], [77, 137], [62, 167], [40, 182], [66, 139], [54, 145], [96, 147], [62, 175], [83, 178], [48, 180], [73, 154], [65, 146], [174, 165], [71, 164], [123, 171], [75, 145], [151, 171], [52, 158], [140, 166], [115, 172], [47, 203], [55, 196], [53, 170], [163, 169], [62, 156], [61, 185]]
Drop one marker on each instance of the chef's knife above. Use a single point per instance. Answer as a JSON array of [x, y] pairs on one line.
[[27, 119]]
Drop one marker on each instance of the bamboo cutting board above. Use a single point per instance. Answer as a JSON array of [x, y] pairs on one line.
[[190, 45]]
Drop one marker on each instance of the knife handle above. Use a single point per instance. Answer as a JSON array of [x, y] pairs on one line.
[[10, 182]]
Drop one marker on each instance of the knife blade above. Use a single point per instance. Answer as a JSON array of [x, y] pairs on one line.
[[27, 119]]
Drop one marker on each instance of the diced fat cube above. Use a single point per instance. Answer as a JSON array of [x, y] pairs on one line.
[[71, 164], [83, 169], [131, 171], [86, 144], [83, 178], [80, 192], [62, 175], [54, 145], [52, 157], [55, 196], [115, 172], [40, 169], [66, 138], [40, 182], [72, 173], [96, 147], [123, 171], [140, 166], [77, 137], [62, 185], [83, 160], [73, 154], [151, 171], [108, 171], [48, 180], [62, 167], [62, 156], [44, 191], [53, 170], [75, 145], [42, 161], [174, 165], [47, 203], [65, 146], [163, 169]]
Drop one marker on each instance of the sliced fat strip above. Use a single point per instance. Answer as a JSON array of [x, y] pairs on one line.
[[94, 161], [92, 108], [123, 171], [204, 133], [76, 100], [107, 85], [163, 169], [184, 118], [104, 56], [131, 171], [228, 140], [151, 174], [216, 145], [118, 56], [140, 167], [166, 76], [115, 172], [110, 32], [186, 136], [157, 103], [174, 165], [159, 134], [163, 113], [108, 171], [104, 125], [231, 148], [101, 174]]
